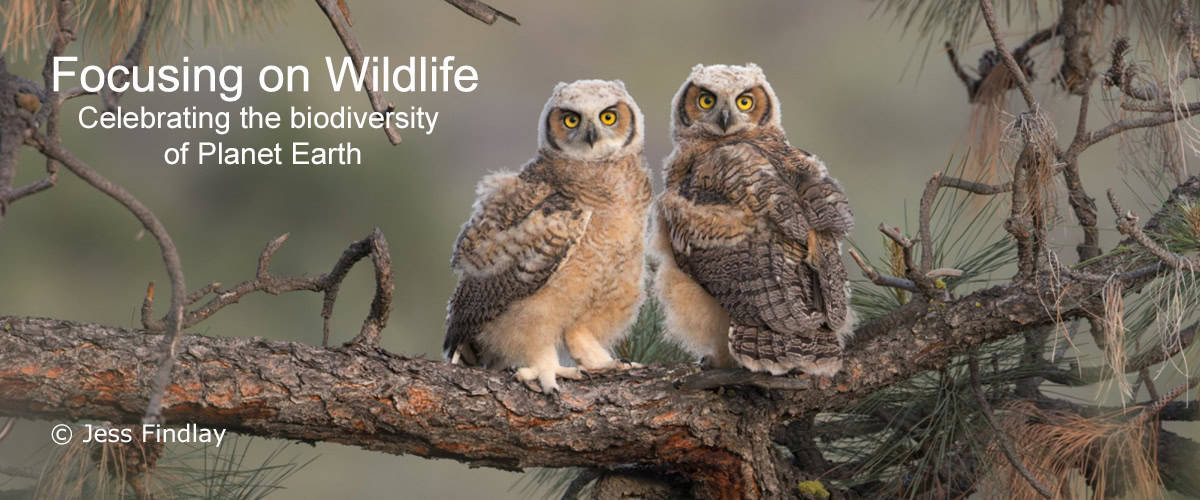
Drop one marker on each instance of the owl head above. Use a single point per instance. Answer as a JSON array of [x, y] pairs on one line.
[[591, 120], [721, 100]]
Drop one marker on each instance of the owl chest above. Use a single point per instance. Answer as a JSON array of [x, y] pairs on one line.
[[608, 256]]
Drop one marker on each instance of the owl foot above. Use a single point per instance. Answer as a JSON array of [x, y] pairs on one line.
[[546, 377]]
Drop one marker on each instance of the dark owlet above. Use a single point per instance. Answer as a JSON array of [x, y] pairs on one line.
[[749, 232]]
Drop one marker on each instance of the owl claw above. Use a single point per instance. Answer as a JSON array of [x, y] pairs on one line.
[[546, 379]]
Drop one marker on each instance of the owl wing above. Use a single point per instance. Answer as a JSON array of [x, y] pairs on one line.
[[737, 228], [518, 235], [824, 203]]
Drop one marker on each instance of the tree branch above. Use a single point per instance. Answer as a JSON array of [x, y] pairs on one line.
[[1001, 437], [1018, 75], [133, 57], [341, 26], [1127, 225], [51, 148], [483, 12], [881, 280], [329, 284], [373, 399]]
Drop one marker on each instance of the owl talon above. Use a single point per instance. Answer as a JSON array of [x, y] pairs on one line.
[[546, 381]]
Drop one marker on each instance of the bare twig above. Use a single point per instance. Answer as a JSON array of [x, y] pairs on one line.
[[1149, 411], [1001, 437], [341, 26], [1128, 124], [1127, 224], [943, 272], [972, 84], [1148, 382], [1018, 75], [1020, 54], [482, 11], [971, 186], [133, 57], [1042, 36], [71, 94], [1081, 203], [883, 280], [926, 207], [374, 245], [35, 187], [924, 220], [893, 233], [50, 147]]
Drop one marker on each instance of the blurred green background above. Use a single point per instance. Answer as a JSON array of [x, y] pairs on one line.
[[855, 89]]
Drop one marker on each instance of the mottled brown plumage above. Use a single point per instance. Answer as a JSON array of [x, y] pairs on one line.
[[755, 224], [554, 254]]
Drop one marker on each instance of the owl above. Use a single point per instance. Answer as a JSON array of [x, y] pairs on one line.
[[748, 232], [554, 254]]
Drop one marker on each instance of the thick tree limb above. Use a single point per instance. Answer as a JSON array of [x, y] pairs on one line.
[[373, 399]]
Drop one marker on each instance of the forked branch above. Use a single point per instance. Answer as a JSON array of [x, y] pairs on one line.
[[329, 284]]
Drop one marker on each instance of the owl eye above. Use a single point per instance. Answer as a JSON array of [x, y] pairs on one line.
[[571, 120], [608, 118], [745, 102], [706, 101]]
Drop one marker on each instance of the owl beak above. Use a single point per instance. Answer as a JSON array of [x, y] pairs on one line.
[[590, 135], [723, 119]]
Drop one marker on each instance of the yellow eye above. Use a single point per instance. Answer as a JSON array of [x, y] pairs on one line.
[[608, 118], [745, 102], [706, 101], [571, 120]]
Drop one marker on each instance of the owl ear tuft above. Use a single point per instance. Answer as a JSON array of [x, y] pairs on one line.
[[697, 67], [559, 87], [620, 84], [754, 67]]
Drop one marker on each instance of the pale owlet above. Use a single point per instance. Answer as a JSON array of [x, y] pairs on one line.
[[553, 254]]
